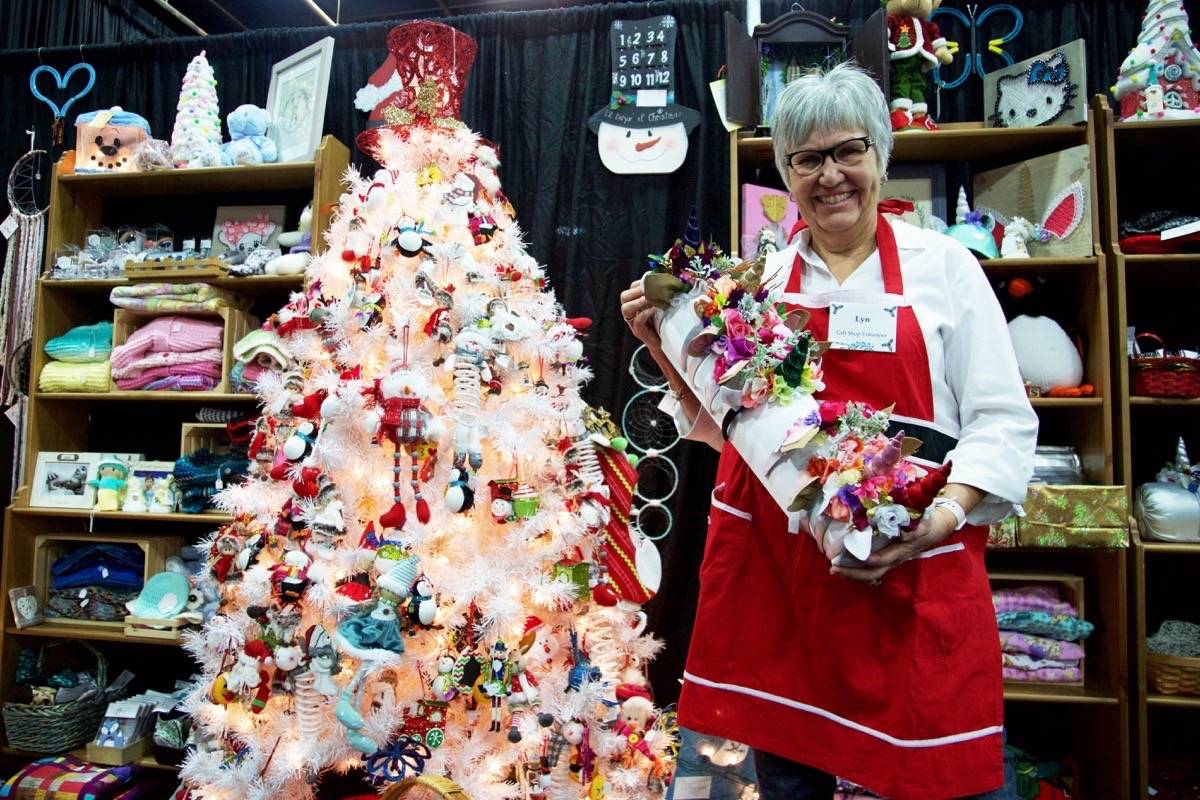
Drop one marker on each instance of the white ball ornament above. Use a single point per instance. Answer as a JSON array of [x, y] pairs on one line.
[[294, 447], [573, 350], [331, 406]]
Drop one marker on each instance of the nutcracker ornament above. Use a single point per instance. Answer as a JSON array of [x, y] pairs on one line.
[[496, 686], [915, 46]]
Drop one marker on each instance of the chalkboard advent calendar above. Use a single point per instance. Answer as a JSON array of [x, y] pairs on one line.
[[642, 129]]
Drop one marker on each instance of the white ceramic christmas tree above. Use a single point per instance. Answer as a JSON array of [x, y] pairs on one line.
[[423, 576], [196, 138], [1160, 78]]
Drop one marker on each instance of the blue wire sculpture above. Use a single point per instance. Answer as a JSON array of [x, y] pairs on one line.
[[974, 23]]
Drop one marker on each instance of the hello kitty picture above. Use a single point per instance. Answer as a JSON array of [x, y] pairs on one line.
[[1043, 90]]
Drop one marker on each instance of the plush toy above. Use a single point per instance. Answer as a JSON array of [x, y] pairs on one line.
[[248, 141], [135, 495], [300, 243], [915, 46], [164, 497], [1046, 356], [110, 484]]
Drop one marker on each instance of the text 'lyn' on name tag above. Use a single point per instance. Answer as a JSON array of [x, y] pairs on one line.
[[863, 326]]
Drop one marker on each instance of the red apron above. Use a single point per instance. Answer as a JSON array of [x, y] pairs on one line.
[[895, 687]]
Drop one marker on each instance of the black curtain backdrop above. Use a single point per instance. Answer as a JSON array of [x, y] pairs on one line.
[[55, 23], [537, 78]]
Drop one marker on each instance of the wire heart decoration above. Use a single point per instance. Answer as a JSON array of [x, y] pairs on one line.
[[62, 81]]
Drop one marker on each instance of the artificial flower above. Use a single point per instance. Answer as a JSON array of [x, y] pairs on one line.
[[890, 519]]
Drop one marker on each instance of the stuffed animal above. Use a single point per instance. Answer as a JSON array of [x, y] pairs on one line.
[[1046, 356], [300, 243], [110, 483], [915, 46], [248, 141]]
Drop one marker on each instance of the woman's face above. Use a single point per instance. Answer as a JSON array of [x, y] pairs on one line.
[[832, 199]]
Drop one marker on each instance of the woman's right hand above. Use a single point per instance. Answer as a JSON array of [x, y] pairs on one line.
[[639, 315]]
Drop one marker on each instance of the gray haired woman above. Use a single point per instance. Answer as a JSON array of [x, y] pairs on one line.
[[886, 673]]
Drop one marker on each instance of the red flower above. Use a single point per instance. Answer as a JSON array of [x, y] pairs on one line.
[[831, 410], [816, 466]]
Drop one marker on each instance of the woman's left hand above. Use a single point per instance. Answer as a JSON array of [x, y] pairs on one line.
[[932, 531]]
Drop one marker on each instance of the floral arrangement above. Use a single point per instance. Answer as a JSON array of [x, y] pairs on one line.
[[763, 354], [859, 489]]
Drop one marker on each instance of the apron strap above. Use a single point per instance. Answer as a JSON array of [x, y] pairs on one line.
[[885, 239]]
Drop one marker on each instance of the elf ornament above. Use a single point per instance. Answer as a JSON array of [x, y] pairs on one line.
[[915, 46], [408, 425]]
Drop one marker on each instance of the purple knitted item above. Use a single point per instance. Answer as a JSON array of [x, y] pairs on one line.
[[183, 383], [168, 334], [149, 376]]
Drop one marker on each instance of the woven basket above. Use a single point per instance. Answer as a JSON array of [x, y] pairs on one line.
[[58, 728], [1164, 376], [1173, 674]]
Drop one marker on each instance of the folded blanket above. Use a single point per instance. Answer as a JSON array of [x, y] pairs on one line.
[[59, 376], [133, 369], [183, 383], [57, 777], [1039, 646], [1032, 598], [171, 297], [1055, 626], [149, 376], [86, 344], [1044, 675], [244, 377], [1027, 663], [168, 334]]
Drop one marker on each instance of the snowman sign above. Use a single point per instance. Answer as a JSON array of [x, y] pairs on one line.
[[642, 130]]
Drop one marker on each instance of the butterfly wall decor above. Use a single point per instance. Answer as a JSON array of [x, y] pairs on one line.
[[980, 31]]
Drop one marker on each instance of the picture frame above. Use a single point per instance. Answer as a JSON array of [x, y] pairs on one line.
[[1047, 89], [923, 185], [60, 480], [240, 229], [296, 100], [26, 609]]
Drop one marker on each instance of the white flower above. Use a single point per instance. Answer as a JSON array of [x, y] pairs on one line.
[[890, 519]]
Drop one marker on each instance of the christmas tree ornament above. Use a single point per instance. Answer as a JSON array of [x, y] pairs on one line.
[[323, 661], [196, 138], [496, 684]]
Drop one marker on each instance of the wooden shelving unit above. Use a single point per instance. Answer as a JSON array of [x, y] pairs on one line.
[[1153, 293], [1094, 718], [124, 421]]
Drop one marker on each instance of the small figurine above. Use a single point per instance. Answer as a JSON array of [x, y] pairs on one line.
[[163, 495], [110, 482], [135, 496], [497, 684]]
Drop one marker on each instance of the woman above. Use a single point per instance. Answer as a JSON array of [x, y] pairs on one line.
[[886, 674]]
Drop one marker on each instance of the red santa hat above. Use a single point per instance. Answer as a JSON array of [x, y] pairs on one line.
[[625, 691], [259, 651]]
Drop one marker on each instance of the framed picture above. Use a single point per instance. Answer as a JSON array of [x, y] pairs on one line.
[[296, 100], [25, 607], [240, 229], [1043, 90], [60, 480], [766, 209], [923, 185]]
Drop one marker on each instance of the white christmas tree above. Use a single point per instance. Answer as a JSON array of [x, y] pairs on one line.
[[1164, 53], [196, 138], [432, 569]]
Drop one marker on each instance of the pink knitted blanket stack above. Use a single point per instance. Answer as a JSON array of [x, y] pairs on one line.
[[175, 353]]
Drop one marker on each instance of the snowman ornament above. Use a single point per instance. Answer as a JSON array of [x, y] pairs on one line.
[[643, 130]]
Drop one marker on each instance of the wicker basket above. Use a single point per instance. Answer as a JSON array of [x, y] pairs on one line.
[[1164, 376], [58, 728], [1173, 674]]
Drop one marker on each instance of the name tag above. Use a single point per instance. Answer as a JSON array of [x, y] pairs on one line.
[[863, 326]]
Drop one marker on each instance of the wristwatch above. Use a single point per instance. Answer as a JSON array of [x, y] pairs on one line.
[[954, 507]]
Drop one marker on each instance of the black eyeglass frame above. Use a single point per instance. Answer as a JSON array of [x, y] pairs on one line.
[[828, 152]]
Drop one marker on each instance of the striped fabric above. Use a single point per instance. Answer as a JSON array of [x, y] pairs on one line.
[[69, 778]]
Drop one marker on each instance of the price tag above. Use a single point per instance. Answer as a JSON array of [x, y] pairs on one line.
[[9, 226]]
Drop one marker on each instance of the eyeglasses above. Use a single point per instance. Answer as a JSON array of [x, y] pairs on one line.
[[849, 153]]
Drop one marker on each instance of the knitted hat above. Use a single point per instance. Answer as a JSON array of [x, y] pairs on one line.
[[83, 345], [264, 343], [163, 597]]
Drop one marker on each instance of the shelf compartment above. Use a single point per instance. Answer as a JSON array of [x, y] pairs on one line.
[[958, 141], [1066, 402], [1048, 693], [1177, 700], [208, 518], [260, 177], [62, 630], [1137, 400]]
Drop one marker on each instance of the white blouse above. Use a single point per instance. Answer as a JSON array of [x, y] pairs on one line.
[[978, 396]]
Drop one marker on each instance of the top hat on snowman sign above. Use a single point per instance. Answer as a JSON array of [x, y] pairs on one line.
[[421, 82], [643, 129]]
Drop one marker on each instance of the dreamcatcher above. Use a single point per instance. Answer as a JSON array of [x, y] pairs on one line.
[[25, 230], [652, 433]]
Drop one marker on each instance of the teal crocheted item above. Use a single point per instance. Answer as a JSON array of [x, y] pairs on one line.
[[87, 344], [1055, 626]]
